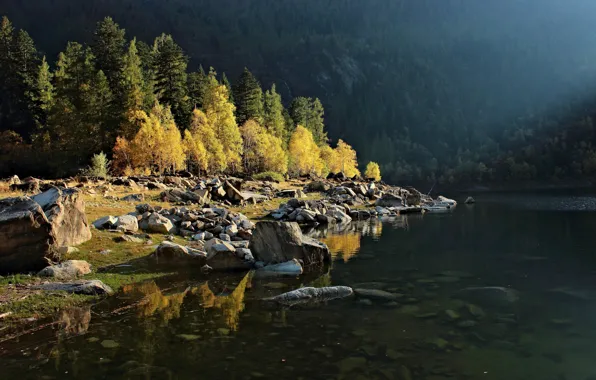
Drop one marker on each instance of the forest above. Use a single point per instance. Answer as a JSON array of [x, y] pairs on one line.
[[138, 103], [468, 101]]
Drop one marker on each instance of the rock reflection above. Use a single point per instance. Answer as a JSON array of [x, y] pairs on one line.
[[75, 321], [231, 305]]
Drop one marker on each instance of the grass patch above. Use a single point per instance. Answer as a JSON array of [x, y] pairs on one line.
[[42, 304]]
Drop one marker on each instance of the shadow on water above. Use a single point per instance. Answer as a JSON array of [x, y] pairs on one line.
[[528, 315]]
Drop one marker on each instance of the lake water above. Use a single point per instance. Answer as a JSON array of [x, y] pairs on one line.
[[195, 327]]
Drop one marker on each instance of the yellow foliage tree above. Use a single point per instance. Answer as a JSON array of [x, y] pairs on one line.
[[220, 114], [329, 157], [203, 133], [262, 151], [157, 144], [304, 153], [373, 171], [121, 157], [346, 159]]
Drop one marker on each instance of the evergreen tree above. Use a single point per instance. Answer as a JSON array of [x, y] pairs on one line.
[[41, 96], [145, 53], [310, 114], [248, 96], [109, 46], [316, 122], [197, 83], [7, 72], [133, 89], [170, 64], [274, 118], [226, 82]]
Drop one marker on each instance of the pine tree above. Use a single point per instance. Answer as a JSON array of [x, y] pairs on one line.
[[248, 96], [310, 114], [7, 71], [145, 53], [226, 82], [109, 46], [170, 65], [197, 83], [132, 86], [274, 118], [316, 122], [41, 96]]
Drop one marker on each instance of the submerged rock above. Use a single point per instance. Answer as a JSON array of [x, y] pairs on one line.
[[470, 200], [489, 295], [311, 295], [377, 294], [291, 268]]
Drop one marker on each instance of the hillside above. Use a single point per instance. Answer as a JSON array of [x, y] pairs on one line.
[[429, 90]]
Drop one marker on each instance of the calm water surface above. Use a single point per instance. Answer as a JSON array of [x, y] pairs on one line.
[[195, 327]]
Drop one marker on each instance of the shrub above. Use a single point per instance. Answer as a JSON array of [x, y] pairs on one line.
[[269, 176], [373, 171], [100, 166]]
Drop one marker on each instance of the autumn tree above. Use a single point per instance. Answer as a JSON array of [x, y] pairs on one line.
[[262, 151], [203, 132], [220, 115], [330, 159], [304, 153], [158, 144], [346, 159], [373, 171]]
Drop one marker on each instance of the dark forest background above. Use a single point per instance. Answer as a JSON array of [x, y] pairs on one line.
[[454, 91]]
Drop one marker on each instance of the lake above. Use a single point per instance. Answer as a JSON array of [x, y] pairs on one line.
[[540, 247]]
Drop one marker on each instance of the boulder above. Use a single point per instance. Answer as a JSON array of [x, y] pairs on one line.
[[133, 198], [204, 196], [390, 200], [307, 216], [172, 251], [127, 223], [278, 242], [317, 186], [222, 255], [160, 224], [107, 222], [470, 200], [67, 270], [33, 229], [232, 193], [90, 287], [340, 216], [179, 196]]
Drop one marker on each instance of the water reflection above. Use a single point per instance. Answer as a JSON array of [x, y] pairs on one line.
[[230, 305], [179, 327]]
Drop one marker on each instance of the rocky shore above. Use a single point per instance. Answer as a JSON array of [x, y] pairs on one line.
[[182, 221]]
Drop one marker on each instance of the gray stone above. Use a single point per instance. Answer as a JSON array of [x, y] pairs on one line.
[[390, 200], [311, 295], [160, 224], [90, 287], [340, 216], [469, 201], [107, 222], [173, 251], [278, 242], [33, 229], [127, 223], [67, 270], [290, 268], [489, 296]]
